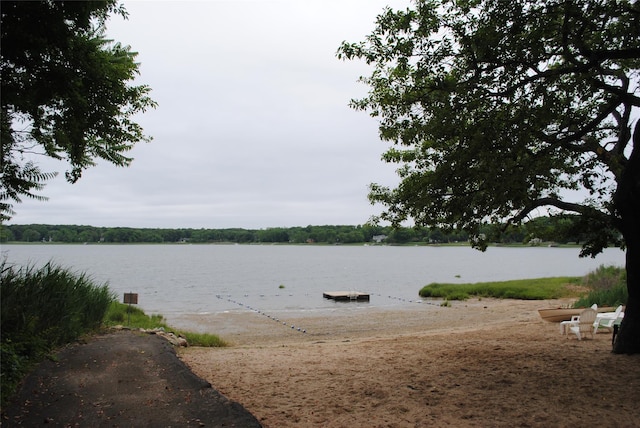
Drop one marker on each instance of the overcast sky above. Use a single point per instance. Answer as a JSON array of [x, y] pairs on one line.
[[253, 128]]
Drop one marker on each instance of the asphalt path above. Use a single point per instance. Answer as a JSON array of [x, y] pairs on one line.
[[120, 379]]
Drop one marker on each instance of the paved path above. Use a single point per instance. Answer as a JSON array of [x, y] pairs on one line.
[[121, 379]]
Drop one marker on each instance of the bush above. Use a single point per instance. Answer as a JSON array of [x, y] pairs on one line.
[[605, 278], [41, 309], [608, 286]]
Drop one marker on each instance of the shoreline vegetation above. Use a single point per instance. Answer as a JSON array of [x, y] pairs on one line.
[[605, 286], [560, 230], [44, 308], [120, 314], [354, 244], [48, 307]]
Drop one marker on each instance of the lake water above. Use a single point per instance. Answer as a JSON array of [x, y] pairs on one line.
[[177, 280]]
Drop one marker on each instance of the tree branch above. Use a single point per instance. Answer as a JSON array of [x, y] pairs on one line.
[[558, 203]]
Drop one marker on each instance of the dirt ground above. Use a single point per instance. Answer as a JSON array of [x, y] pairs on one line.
[[478, 363]]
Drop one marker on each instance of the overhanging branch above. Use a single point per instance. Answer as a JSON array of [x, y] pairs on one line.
[[555, 202]]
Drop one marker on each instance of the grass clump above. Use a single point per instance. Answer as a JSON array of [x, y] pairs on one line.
[[608, 287], [524, 289], [41, 309], [134, 317], [203, 339], [128, 315]]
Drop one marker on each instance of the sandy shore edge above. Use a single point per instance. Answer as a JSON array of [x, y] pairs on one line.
[[484, 362]]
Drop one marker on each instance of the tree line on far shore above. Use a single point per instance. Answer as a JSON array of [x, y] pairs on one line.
[[559, 229]]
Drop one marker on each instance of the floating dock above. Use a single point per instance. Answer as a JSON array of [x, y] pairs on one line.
[[346, 295]]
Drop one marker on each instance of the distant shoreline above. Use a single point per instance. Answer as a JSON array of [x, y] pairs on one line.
[[367, 234], [302, 244]]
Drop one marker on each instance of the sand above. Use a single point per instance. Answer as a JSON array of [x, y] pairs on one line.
[[477, 363]]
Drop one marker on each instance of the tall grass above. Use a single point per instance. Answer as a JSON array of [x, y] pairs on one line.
[[608, 287], [525, 289], [41, 309]]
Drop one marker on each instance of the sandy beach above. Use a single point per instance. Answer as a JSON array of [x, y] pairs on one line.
[[477, 363]]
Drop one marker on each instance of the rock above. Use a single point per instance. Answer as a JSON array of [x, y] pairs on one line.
[[173, 339]]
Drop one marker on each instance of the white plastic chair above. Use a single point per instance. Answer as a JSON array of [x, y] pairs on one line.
[[566, 325], [584, 324], [607, 322]]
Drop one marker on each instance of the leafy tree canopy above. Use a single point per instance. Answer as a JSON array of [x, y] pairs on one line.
[[495, 108], [498, 108], [66, 93]]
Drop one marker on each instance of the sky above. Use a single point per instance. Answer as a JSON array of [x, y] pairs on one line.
[[253, 128]]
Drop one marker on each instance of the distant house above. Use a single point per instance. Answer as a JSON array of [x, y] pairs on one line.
[[535, 242], [378, 238]]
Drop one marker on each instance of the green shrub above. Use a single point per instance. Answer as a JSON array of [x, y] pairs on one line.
[[608, 286], [41, 309], [50, 302], [605, 278]]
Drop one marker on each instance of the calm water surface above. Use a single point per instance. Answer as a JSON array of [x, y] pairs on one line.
[[208, 279]]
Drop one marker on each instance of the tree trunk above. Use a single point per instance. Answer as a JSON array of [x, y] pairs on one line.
[[627, 204], [628, 338]]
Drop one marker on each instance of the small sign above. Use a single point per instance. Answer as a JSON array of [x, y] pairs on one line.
[[131, 298]]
